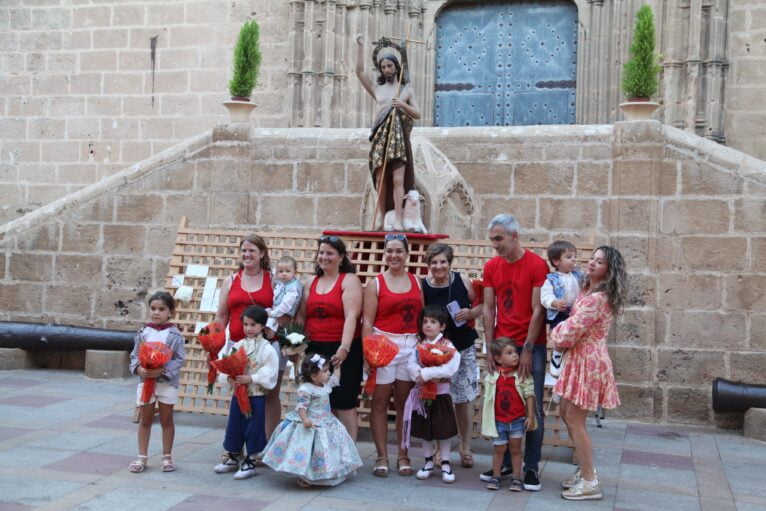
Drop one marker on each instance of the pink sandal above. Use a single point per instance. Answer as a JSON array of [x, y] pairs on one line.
[[167, 463], [138, 465]]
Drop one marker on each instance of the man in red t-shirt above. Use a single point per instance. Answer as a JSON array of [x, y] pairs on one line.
[[512, 308]]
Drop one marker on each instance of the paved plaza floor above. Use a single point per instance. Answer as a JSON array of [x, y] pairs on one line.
[[66, 442]]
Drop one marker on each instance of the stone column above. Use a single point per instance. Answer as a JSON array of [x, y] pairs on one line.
[[307, 71], [293, 72]]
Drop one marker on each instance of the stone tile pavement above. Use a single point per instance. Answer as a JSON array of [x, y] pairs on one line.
[[66, 441]]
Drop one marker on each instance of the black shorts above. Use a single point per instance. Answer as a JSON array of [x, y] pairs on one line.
[[346, 395]]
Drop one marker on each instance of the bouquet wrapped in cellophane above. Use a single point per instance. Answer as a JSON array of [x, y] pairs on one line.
[[292, 340], [432, 355], [379, 351], [235, 364], [212, 338], [152, 355]]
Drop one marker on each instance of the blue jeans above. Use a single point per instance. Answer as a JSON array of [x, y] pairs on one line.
[[243, 431], [534, 441], [509, 430]]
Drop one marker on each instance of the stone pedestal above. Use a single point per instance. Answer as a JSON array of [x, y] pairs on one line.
[[14, 358], [755, 424], [104, 364]]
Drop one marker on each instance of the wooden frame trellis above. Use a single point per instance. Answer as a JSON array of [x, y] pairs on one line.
[[217, 253]]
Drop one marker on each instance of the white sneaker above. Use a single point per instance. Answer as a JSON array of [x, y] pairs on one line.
[[555, 365], [448, 476], [229, 463], [246, 470]]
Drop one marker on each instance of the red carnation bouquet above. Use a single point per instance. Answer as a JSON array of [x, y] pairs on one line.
[[152, 355], [235, 365], [212, 338], [432, 355], [379, 351]]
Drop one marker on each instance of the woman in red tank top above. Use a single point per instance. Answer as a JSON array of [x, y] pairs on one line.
[[251, 285], [330, 312], [392, 304]]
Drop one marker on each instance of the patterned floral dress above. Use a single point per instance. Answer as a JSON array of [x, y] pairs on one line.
[[324, 454], [587, 378]]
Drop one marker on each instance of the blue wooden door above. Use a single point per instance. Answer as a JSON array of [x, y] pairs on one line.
[[510, 63]]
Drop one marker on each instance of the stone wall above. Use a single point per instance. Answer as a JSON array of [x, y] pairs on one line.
[[745, 110], [82, 95], [689, 216]]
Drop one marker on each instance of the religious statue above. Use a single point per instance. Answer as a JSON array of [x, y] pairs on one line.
[[391, 161]]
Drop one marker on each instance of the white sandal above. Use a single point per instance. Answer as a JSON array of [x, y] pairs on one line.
[[138, 465]]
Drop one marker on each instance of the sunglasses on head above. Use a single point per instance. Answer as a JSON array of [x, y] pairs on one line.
[[331, 239], [398, 237]]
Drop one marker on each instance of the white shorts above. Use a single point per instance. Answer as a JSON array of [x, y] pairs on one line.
[[397, 369], [164, 392]]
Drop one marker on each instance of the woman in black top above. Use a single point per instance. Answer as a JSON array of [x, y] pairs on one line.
[[455, 292]]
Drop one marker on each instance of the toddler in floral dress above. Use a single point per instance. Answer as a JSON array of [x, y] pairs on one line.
[[311, 443]]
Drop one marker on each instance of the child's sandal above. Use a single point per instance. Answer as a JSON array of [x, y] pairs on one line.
[[167, 463], [381, 467], [138, 465]]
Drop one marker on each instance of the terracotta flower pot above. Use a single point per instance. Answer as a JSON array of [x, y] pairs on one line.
[[239, 110], [638, 109]]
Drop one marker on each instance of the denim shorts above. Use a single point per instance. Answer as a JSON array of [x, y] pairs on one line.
[[508, 430]]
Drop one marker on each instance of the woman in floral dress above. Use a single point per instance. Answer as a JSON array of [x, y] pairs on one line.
[[587, 379]]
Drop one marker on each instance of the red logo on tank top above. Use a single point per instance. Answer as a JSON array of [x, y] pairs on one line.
[[320, 312], [408, 313]]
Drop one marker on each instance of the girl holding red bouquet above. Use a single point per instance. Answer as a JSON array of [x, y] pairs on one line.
[[260, 377], [433, 419], [159, 330]]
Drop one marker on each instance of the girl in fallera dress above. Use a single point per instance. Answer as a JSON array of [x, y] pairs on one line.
[[311, 443]]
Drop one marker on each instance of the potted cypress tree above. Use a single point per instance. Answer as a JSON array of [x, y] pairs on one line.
[[245, 66], [640, 79]]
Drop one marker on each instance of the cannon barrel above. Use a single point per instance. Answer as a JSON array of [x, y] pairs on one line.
[[52, 337], [731, 396]]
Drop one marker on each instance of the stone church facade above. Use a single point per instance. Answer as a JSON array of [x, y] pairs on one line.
[[88, 88]]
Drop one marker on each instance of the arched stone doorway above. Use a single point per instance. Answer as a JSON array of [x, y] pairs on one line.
[[506, 63]]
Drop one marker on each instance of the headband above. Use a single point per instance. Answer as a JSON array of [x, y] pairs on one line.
[[318, 360]]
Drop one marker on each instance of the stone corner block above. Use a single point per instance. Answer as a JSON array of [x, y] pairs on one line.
[[105, 364], [755, 424], [14, 358], [235, 132]]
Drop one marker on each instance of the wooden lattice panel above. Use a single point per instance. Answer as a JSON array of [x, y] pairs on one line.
[[218, 251]]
